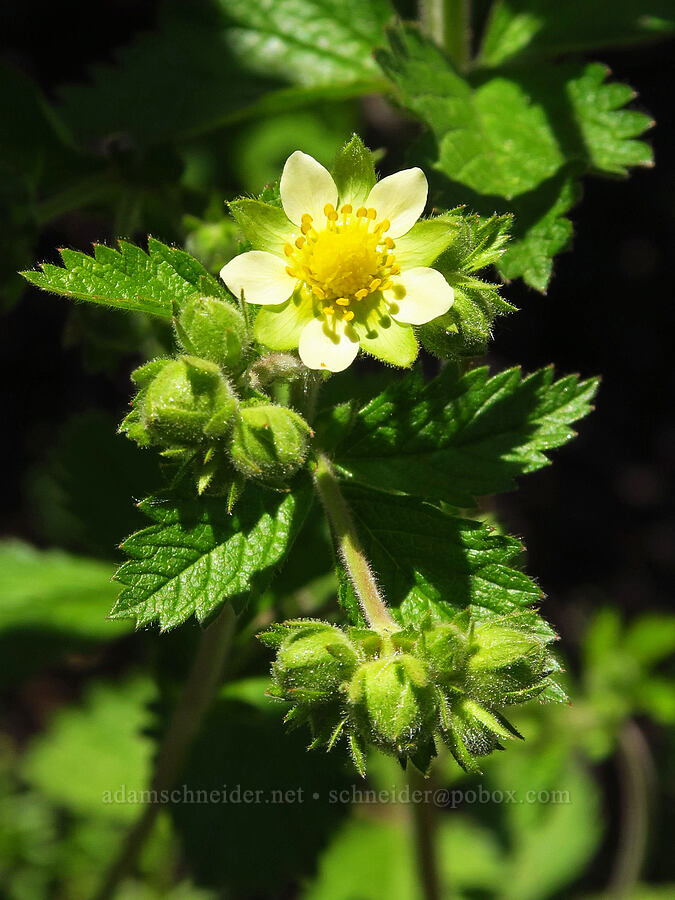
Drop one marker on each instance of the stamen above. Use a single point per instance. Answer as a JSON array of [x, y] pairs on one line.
[[361, 212], [374, 284], [382, 226], [395, 270], [343, 301], [300, 242], [291, 272], [306, 227], [389, 243], [387, 286], [361, 294], [329, 212], [288, 249], [320, 293], [346, 210], [371, 213], [348, 316], [305, 217]]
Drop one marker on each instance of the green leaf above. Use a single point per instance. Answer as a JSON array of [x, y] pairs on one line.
[[102, 744], [542, 231], [501, 138], [309, 42], [457, 439], [528, 28], [177, 81], [424, 558], [128, 279], [52, 590], [197, 556]]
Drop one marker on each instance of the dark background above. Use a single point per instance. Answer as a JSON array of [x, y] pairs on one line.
[[600, 524]]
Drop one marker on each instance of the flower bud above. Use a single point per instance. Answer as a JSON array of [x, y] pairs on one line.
[[213, 330], [182, 401], [393, 702], [445, 649], [269, 442], [311, 666], [506, 664]]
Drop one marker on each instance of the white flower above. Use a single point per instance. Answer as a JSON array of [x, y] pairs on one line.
[[335, 272]]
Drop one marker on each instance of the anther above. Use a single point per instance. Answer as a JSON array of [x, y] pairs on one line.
[[320, 293], [346, 210], [374, 284], [361, 294], [348, 316], [342, 301], [371, 213], [384, 225], [361, 212], [389, 243], [288, 249], [305, 218], [329, 212], [291, 272], [300, 242], [395, 270]]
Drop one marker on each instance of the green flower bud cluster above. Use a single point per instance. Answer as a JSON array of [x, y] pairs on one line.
[[202, 411], [400, 691]]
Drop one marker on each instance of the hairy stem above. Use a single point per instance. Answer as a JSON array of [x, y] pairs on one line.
[[424, 827], [448, 23], [186, 720], [637, 772], [349, 547]]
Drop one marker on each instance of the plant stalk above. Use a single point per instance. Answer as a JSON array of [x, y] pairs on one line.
[[448, 23], [637, 776], [424, 827], [186, 720], [349, 547]]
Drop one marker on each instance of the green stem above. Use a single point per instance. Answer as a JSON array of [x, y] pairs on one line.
[[424, 827], [448, 23], [349, 547], [637, 774], [187, 718]]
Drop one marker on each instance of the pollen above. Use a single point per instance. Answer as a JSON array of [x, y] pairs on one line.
[[343, 258]]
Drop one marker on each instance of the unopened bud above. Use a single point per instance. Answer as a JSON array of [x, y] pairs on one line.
[[214, 330], [394, 703], [269, 442]]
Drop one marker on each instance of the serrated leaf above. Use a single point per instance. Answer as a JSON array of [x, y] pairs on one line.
[[422, 555], [535, 28], [128, 279], [457, 439], [177, 81], [309, 42], [502, 138], [197, 556]]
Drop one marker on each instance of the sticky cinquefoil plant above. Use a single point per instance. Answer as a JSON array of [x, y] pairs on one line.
[[440, 634]]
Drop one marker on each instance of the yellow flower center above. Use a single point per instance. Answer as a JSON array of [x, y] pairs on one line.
[[345, 261]]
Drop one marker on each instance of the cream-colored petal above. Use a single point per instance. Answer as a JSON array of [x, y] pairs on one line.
[[401, 198], [306, 187], [261, 276], [420, 295], [324, 348]]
